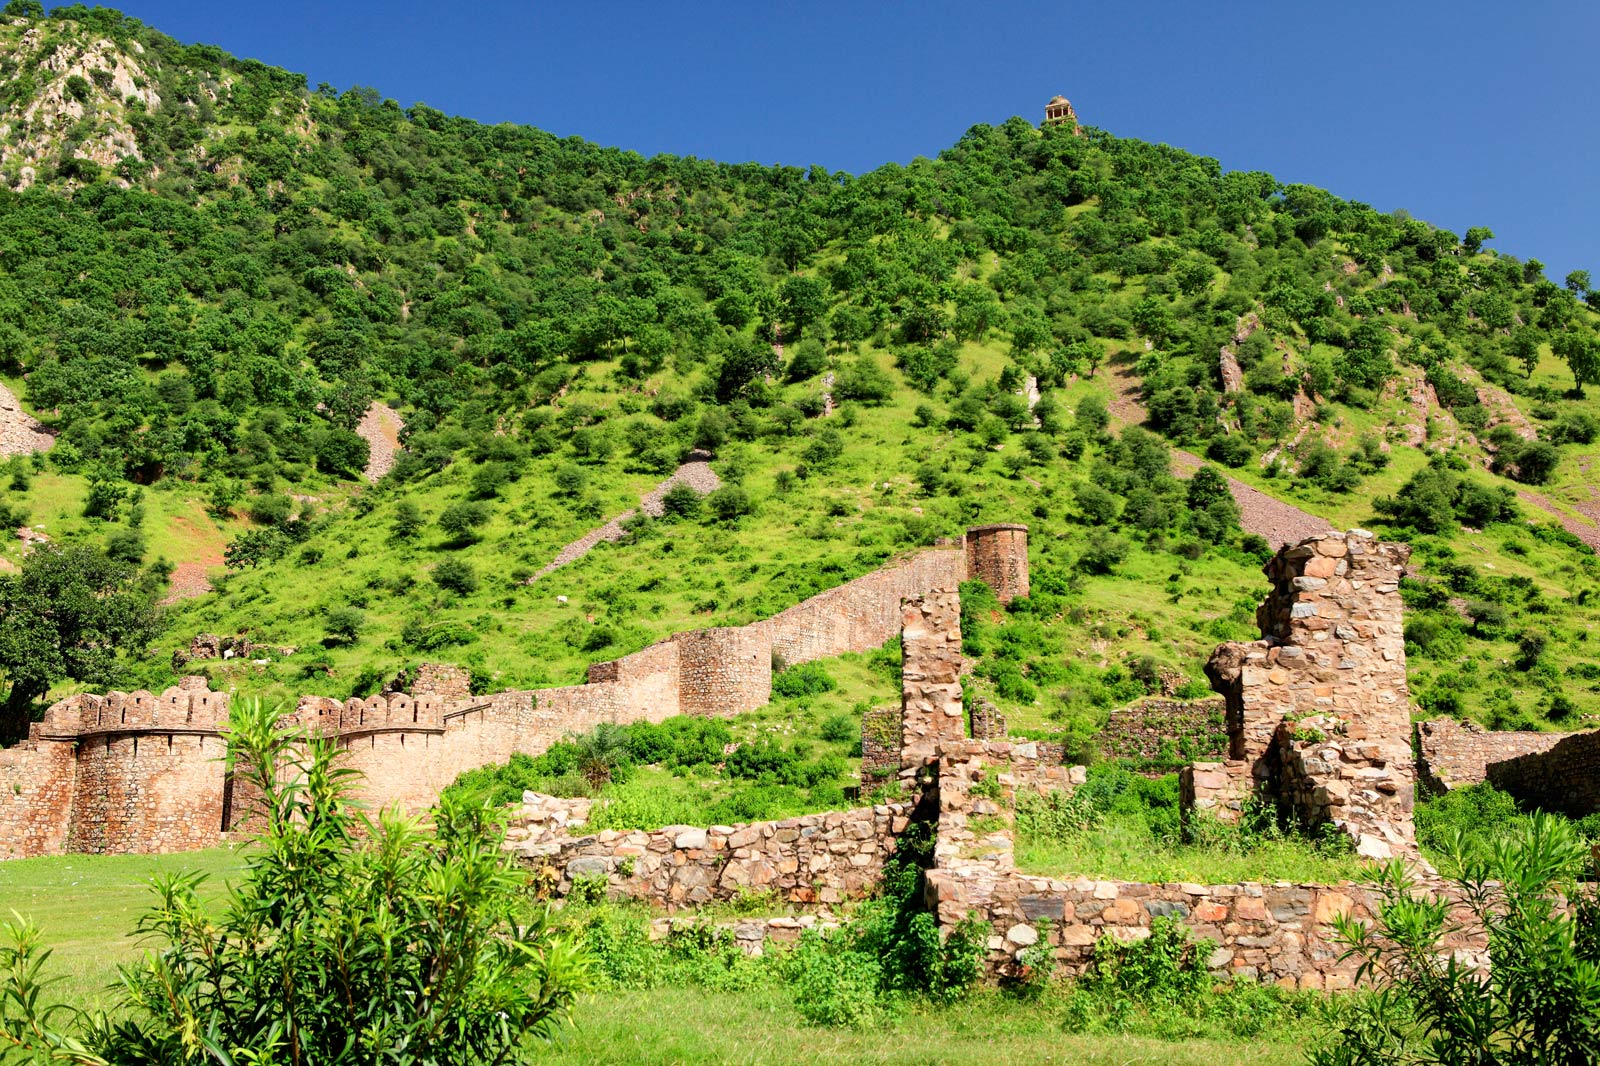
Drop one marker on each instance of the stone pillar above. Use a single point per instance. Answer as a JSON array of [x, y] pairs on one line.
[[930, 667], [998, 555]]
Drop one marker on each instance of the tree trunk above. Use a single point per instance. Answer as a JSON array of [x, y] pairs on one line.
[[15, 714]]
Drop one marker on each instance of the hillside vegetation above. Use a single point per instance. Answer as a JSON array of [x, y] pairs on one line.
[[209, 272]]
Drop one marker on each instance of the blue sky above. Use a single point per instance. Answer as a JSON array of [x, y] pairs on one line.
[[1463, 113]]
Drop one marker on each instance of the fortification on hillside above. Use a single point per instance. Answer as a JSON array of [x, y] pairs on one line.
[[137, 772]]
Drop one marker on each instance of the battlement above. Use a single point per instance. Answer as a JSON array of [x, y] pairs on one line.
[[180, 709]]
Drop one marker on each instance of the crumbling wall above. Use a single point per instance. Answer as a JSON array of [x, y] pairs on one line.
[[1158, 726], [931, 664], [998, 555], [1319, 707], [880, 747], [813, 859], [1453, 754]]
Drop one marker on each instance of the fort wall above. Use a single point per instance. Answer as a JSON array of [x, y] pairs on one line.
[[139, 772], [998, 555]]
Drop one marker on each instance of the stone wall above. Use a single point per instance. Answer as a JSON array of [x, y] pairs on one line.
[[1566, 778], [1144, 730], [140, 772], [36, 779], [863, 614], [815, 859], [985, 721], [724, 671], [1453, 754], [930, 671], [1215, 790], [1319, 707], [1279, 933], [998, 555], [880, 747]]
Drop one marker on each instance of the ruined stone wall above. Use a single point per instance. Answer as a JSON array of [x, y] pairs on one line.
[[1566, 778], [930, 669], [1455, 754], [724, 671], [813, 859], [998, 555], [1157, 727], [36, 779], [863, 614], [1319, 707], [985, 721], [1216, 789], [1278, 933], [445, 683]]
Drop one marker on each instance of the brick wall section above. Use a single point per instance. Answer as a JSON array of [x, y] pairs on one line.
[[1566, 778], [814, 859], [862, 614], [1319, 707], [36, 779], [724, 671], [930, 668], [1455, 754], [999, 556]]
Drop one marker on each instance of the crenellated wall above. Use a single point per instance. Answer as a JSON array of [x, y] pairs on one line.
[[138, 772]]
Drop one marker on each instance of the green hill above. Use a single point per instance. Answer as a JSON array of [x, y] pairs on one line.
[[209, 272]]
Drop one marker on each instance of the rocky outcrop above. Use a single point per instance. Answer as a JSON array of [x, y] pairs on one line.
[[380, 427]]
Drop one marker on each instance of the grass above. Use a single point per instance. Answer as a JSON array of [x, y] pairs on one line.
[[691, 1025], [1124, 849], [87, 905]]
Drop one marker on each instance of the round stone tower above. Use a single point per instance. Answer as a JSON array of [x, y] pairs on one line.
[[999, 556]]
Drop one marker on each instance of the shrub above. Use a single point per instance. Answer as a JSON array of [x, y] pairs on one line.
[[1102, 552], [344, 624], [729, 503], [270, 510], [407, 524], [460, 521], [840, 729], [438, 957], [1540, 1003], [807, 679], [455, 575], [680, 501]]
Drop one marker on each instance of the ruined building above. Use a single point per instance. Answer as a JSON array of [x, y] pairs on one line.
[[1317, 710], [139, 772], [1058, 112]]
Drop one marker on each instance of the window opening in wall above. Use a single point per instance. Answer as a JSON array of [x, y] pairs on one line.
[[227, 802], [135, 747]]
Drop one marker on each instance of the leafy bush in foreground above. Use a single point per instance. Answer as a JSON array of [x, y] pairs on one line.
[[350, 940]]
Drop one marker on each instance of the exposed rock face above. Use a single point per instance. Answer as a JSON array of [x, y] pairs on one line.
[[1232, 374], [20, 433], [1318, 709], [380, 427]]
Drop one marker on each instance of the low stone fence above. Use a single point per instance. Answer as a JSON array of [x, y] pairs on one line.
[[1453, 754], [805, 861], [1281, 932], [1566, 778]]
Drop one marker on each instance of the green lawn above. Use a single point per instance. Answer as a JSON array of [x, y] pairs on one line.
[[87, 905], [692, 1025]]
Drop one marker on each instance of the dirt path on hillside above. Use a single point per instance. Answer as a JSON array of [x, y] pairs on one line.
[[696, 473], [1586, 531], [1266, 516]]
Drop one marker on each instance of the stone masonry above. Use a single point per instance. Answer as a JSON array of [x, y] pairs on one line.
[[931, 668], [1317, 710], [999, 556], [136, 772], [1455, 754]]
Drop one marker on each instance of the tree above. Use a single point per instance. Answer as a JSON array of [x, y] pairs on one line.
[[1578, 282], [68, 614], [460, 521], [1582, 354], [1472, 243], [680, 501], [341, 452], [254, 547], [344, 624], [408, 521], [349, 938], [1537, 1003], [1525, 341]]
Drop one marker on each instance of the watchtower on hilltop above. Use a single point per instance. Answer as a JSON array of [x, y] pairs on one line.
[[1059, 112]]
